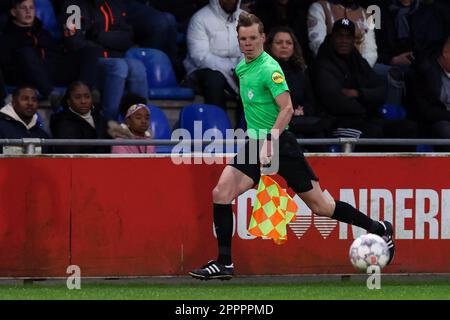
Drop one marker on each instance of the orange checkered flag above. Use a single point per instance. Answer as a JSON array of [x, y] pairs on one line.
[[272, 211]]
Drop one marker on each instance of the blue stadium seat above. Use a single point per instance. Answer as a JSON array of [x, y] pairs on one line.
[[160, 127], [46, 13], [210, 116], [424, 148], [162, 82], [392, 112], [334, 148], [40, 121]]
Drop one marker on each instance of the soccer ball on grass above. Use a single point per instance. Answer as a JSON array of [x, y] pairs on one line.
[[369, 250]]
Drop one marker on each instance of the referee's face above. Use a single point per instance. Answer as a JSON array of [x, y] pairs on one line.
[[251, 41]]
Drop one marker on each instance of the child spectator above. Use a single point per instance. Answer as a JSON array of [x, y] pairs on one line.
[[136, 126]]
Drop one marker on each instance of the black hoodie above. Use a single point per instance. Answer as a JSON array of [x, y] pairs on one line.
[[332, 73], [36, 37], [103, 25]]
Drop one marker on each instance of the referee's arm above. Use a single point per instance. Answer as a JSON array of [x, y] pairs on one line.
[[284, 102]]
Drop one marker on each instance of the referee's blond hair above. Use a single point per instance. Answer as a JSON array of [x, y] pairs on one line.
[[247, 20]]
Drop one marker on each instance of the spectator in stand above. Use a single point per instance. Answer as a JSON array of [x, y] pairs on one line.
[[307, 122], [30, 55], [104, 27], [350, 90], [152, 28], [409, 29], [322, 15], [287, 13], [213, 51], [430, 92], [136, 126], [79, 120], [19, 119]]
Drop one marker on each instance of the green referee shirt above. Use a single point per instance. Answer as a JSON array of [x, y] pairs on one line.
[[260, 82]]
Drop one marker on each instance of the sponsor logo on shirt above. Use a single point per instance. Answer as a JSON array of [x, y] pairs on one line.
[[250, 94], [277, 77]]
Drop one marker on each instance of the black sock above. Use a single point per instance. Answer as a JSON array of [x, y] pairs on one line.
[[223, 222], [348, 214]]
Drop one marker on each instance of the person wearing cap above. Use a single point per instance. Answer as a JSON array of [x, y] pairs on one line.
[[323, 14], [135, 126], [350, 90]]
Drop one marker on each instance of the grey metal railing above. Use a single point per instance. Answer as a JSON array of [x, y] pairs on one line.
[[29, 145]]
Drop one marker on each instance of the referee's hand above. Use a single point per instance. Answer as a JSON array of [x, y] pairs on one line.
[[265, 155]]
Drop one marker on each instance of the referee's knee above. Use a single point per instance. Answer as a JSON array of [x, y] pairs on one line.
[[323, 208], [222, 195]]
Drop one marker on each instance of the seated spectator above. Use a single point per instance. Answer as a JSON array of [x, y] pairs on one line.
[[152, 28], [79, 120], [350, 90], [104, 27], [19, 119], [307, 121], [30, 55], [136, 126], [430, 92], [213, 51], [322, 15], [409, 29], [127, 101]]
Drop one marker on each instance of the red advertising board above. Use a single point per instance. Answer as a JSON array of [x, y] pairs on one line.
[[149, 216]]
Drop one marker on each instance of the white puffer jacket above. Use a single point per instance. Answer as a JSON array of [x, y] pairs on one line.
[[317, 31], [212, 41]]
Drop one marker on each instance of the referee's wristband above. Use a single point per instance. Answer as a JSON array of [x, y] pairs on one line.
[[269, 137]]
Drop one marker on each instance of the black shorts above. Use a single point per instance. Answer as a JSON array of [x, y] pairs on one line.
[[293, 166]]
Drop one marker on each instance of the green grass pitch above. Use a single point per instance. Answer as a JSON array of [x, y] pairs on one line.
[[317, 290]]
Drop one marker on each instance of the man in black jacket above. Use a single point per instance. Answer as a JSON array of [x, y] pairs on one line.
[[350, 90], [430, 92], [30, 55]]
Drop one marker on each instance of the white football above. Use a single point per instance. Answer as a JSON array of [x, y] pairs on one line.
[[369, 250]]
